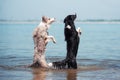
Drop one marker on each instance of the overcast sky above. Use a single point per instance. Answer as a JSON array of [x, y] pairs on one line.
[[34, 9]]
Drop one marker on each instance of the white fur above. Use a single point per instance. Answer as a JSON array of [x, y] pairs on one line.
[[50, 64], [79, 31], [68, 26]]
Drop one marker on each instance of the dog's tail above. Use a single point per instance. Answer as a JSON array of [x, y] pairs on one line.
[[58, 64], [64, 64]]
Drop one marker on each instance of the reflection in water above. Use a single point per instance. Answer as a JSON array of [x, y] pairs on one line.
[[42, 74], [64, 74], [39, 74], [71, 75]]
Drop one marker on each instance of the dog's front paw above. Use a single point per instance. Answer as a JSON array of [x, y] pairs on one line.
[[53, 39], [79, 31]]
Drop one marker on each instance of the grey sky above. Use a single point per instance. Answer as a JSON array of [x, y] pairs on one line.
[[34, 9]]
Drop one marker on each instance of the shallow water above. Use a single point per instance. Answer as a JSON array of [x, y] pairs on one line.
[[98, 54]]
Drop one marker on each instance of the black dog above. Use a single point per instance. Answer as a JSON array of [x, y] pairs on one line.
[[72, 39]]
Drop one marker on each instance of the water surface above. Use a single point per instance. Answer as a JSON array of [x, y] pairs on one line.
[[98, 55]]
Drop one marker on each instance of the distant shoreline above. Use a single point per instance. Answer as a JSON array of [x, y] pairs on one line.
[[81, 22]]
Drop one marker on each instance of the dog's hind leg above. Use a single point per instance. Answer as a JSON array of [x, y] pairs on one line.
[[72, 64]]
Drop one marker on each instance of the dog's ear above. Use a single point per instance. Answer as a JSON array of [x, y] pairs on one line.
[[66, 19], [44, 19]]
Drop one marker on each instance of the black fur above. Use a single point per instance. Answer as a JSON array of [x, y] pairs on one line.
[[72, 39]]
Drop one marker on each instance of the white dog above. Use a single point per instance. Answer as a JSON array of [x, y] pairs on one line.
[[41, 38]]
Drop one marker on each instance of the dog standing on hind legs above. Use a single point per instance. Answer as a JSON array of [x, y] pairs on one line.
[[72, 37], [41, 38]]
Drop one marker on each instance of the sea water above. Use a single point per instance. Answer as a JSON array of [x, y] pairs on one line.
[[98, 54]]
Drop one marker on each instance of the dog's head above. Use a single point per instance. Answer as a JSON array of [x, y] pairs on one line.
[[70, 18], [48, 20]]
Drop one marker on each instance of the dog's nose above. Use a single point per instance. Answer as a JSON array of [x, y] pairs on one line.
[[54, 19]]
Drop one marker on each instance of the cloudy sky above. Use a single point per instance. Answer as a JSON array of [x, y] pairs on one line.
[[34, 9]]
